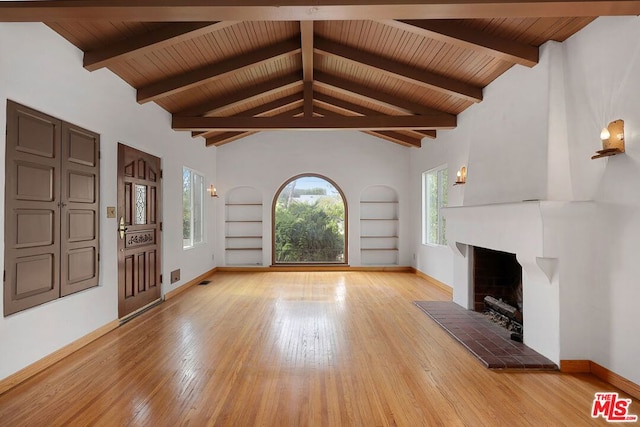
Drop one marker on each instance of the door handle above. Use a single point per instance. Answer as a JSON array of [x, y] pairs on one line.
[[122, 228]]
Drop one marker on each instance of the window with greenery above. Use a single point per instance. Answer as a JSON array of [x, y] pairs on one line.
[[309, 222], [434, 190], [192, 208]]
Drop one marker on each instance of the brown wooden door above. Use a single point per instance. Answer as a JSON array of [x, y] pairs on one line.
[[79, 228], [139, 223], [32, 201], [51, 208]]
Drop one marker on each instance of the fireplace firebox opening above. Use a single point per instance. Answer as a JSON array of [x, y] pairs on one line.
[[497, 288]]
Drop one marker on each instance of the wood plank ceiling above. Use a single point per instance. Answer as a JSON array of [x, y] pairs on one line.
[[336, 66]]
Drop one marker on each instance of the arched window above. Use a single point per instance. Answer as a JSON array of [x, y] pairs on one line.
[[309, 222]]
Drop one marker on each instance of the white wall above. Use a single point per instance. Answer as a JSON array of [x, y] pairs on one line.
[[598, 92], [43, 71], [532, 138], [501, 142], [353, 160], [436, 260]]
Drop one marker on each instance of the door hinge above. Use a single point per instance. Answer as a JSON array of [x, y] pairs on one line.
[[161, 278], [161, 226], [98, 257], [160, 173], [4, 276]]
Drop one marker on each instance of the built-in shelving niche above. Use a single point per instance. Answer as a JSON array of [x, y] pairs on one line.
[[243, 227], [379, 228]]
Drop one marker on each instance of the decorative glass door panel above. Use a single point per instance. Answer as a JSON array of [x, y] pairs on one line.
[[141, 204]]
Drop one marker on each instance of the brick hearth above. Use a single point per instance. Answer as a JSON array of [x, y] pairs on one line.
[[490, 343]]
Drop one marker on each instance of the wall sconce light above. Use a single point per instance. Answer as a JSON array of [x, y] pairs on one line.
[[212, 191], [461, 176], [612, 138]]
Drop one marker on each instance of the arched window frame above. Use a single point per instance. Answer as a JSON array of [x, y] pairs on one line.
[[273, 220]]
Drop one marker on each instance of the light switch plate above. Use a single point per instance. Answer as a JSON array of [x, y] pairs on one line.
[[111, 211]]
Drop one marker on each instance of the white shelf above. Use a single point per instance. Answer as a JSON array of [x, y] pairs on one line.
[[243, 249], [379, 226], [243, 228]]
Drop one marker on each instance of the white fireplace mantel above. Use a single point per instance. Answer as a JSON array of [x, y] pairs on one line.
[[535, 232], [528, 229]]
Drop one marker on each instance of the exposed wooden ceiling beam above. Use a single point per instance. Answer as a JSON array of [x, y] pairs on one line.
[[400, 71], [302, 10], [270, 107], [469, 38], [219, 138], [245, 96], [265, 109], [217, 71], [308, 99], [392, 136], [374, 123], [226, 137], [306, 41], [371, 95], [344, 105], [165, 36], [426, 133], [358, 109], [396, 137]]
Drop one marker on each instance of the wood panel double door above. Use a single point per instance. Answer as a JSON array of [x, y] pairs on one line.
[[139, 229], [52, 182]]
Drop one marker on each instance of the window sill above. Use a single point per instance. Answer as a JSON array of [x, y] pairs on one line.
[[196, 246], [435, 245]]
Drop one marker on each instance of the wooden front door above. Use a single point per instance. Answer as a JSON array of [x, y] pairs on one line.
[[139, 226]]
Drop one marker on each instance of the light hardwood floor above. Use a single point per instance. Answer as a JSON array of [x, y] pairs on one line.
[[293, 349]]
